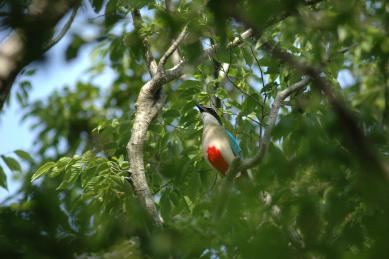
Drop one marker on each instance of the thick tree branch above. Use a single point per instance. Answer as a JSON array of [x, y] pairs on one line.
[[23, 45], [149, 103], [346, 119], [150, 61], [351, 130], [11, 56], [147, 109]]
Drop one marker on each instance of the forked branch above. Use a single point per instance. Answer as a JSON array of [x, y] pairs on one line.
[[173, 47], [346, 119], [149, 104], [271, 121], [20, 48], [351, 130]]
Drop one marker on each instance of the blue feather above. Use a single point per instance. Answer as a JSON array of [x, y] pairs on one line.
[[234, 144]]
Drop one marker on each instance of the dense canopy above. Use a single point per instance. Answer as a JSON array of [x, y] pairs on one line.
[[118, 172]]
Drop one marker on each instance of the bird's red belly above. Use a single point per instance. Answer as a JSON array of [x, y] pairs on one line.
[[216, 159]]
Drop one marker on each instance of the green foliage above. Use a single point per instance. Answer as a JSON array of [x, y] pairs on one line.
[[13, 164], [99, 178], [3, 178], [325, 201]]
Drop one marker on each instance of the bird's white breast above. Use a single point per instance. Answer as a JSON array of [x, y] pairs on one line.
[[215, 135]]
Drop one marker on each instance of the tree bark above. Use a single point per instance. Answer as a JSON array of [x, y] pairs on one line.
[[21, 47], [149, 104]]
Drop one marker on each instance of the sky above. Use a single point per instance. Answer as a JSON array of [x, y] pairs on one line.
[[53, 75]]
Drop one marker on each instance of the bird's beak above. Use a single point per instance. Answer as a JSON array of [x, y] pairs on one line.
[[201, 108]]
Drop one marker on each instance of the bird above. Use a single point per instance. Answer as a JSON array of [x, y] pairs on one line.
[[219, 145]]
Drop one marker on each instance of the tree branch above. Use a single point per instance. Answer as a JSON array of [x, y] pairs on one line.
[[11, 56], [351, 130], [173, 47], [178, 69], [170, 8], [150, 61], [23, 45], [238, 165], [147, 109], [149, 104], [281, 96], [346, 119], [62, 33]]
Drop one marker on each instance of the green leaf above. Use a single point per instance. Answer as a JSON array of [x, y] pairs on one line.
[[189, 203], [223, 55], [247, 56], [12, 163], [111, 13], [74, 47], [3, 179], [24, 155], [134, 3], [44, 169], [192, 50], [97, 5]]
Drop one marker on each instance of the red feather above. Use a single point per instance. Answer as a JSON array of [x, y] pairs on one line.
[[216, 159]]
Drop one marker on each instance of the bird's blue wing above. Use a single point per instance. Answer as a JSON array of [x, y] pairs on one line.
[[234, 144]]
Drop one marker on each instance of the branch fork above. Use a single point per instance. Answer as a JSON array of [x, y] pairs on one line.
[[238, 165], [149, 104]]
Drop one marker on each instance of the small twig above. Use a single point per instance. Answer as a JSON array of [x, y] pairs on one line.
[[219, 75], [248, 163], [177, 70], [170, 8], [172, 48], [215, 101], [346, 119], [237, 87], [265, 95], [62, 33], [245, 116], [258, 65], [262, 116]]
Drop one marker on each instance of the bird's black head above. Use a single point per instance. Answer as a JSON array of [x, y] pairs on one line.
[[209, 110]]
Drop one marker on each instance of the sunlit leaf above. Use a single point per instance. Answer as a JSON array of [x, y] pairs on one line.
[[3, 179], [44, 169]]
